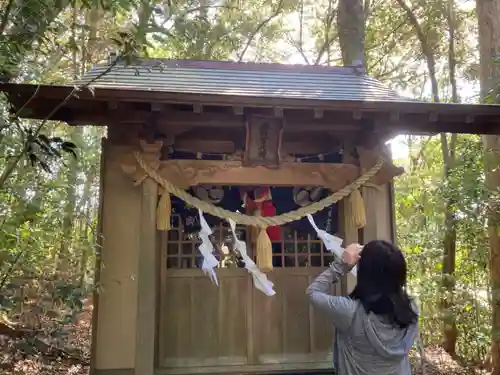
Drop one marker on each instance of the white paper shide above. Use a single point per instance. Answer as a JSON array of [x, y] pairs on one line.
[[260, 280], [332, 243], [206, 249]]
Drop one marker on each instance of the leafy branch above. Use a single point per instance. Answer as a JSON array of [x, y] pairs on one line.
[[52, 146], [275, 14]]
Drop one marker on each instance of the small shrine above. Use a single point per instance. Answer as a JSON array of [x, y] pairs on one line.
[[225, 188]]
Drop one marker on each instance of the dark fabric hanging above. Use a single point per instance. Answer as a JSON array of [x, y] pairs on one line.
[[227, 197], [288, 199], [284, 199]]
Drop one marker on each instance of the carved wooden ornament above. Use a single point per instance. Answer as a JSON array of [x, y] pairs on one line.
[[263, 141], [186, 173], [368, 157]]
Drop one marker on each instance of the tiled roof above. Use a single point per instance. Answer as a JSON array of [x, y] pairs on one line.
[[244, 79]]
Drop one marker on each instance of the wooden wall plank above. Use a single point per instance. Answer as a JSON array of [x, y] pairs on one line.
[[175, 317], [295, 315], [204, 325], [204, 318], [232, 317]]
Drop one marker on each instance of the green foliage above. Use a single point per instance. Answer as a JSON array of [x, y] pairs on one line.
[[420, 200], [41, 149]]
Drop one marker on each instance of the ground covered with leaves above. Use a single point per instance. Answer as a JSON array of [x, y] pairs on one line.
[[438, 362], [35, 350], [44, 346]]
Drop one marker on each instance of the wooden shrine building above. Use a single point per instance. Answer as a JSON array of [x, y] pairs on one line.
[[259, 139]]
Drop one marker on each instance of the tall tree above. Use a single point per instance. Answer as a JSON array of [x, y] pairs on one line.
[[429, 45], [488, 15]]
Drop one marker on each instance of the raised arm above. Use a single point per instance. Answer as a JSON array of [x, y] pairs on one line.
[[339, 310]]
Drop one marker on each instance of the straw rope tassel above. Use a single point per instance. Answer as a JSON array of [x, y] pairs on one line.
[[264, 251], [163, 211], [263, 245], [356, 209]]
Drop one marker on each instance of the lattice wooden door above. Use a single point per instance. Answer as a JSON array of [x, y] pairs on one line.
[[204, 328]]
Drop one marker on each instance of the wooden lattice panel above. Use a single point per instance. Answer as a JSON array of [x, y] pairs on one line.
[[296, 249]]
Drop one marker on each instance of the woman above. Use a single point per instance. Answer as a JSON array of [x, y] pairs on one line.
[[377, 324]]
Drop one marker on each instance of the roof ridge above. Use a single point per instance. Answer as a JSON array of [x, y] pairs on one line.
[[245, 66]]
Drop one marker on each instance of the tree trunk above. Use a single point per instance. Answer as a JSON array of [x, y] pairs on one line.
[[84, 208], [351, 25], [448, 283], [488, 14], [450, 332], [145, 11], [72, 174]]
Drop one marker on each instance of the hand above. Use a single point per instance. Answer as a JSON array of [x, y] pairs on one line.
[[352, 254]]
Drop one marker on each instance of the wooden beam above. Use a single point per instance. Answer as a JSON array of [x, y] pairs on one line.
[[413, 117], [187, 173], [25, 91], [306, 147], [207, 146], [118, 133], [229, 120], [229, 146], [194, 172], [212, 140]]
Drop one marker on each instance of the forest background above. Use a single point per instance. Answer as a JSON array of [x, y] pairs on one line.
[[434, 50]]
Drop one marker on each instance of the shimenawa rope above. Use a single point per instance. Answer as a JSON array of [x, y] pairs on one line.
[[258, 221]]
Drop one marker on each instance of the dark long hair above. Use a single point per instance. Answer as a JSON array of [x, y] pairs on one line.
[[381, 282]]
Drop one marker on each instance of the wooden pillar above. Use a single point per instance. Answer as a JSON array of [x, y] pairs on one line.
[[113, 342], [349, 232], [350, 235], [124, 336], [146, 282], [379, 208], [379, 214]]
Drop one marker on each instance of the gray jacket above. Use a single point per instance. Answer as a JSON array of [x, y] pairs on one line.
[[365, 344]]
